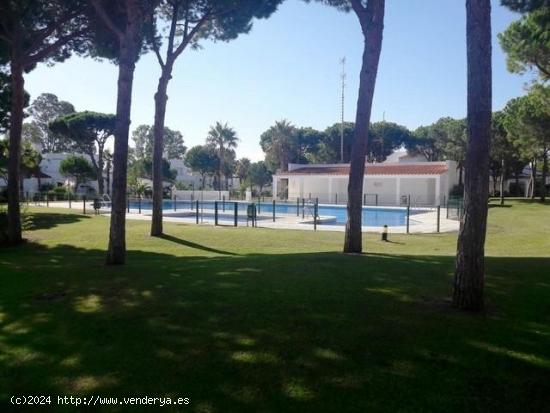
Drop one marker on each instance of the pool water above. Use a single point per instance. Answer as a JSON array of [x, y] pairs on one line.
[[372, 216]]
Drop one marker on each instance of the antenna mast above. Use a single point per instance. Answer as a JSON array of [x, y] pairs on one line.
[[343, 77]]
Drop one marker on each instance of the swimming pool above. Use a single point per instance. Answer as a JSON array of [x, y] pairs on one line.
[[372, 216]]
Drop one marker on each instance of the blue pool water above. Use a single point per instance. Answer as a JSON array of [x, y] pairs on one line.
[[371, 216]]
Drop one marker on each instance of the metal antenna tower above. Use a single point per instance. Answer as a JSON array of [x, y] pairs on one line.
[[343, 77]]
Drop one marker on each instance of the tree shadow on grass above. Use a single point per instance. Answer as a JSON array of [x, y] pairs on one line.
[[194, 245], [38, 220], [308, 332]]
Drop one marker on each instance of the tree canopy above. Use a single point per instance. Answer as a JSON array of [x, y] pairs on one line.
[[77, 168], [526, 43], [202, 159], [174, 147], [45, 109]]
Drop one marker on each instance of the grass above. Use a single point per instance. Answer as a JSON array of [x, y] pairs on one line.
[[257, 320]]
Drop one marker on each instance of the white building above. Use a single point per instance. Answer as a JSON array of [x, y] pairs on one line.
[[388, 183], [50, 175]]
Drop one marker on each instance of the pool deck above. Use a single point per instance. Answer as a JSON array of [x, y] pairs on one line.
[[420, 222]]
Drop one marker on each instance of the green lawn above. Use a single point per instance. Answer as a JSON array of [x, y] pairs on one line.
[[257, 320]]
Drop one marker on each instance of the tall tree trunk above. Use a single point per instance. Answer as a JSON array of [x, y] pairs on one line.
[[544, 173], [116, 253], [470, 260], [161, 98], [14, 160], [502, 177], [372, 24]]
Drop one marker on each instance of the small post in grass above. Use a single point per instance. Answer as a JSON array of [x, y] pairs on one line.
[[297, 207], [197, 211], [235, 213], [215, 213], [438, 217], [385, 233], [84, 204], [273, 210]]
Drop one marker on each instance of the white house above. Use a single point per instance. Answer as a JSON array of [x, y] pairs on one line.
[[50, 175], [389, 183]]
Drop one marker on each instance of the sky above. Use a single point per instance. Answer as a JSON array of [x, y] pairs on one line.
[[288, 67]]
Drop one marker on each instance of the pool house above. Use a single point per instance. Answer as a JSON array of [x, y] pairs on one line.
[[385, 184]]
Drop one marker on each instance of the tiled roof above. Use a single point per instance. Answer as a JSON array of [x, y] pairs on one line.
[[428, 168]]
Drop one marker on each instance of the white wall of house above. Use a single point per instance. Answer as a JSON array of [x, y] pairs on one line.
[[424, 190]]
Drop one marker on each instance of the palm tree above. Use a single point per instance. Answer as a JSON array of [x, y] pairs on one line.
[[280, 145], [222, 138], [470, 258]]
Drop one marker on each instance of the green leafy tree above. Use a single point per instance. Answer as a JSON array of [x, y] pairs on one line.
[[280, 145], [504, 155], [242, 169], [89, 133], [222, 139], [524, 6], [143, 168], [45, 109], [203, 160], [187, 23], [527, 121], [470, 257], [121, 32], [259, 175], [33, 32], [328, 148], [30, 160], [385, 138], [143, 137], [526, 43], [78, 168]]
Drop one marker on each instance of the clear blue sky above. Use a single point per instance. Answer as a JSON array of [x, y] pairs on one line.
[[288, 67]]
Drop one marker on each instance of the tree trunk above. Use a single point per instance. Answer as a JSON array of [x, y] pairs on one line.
[[372, 23], [470, 260], [116, 253], [161, 98], [544, 173], [502, 177], [14, 160]]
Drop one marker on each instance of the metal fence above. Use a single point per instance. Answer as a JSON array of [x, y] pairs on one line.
[[261, 211]]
